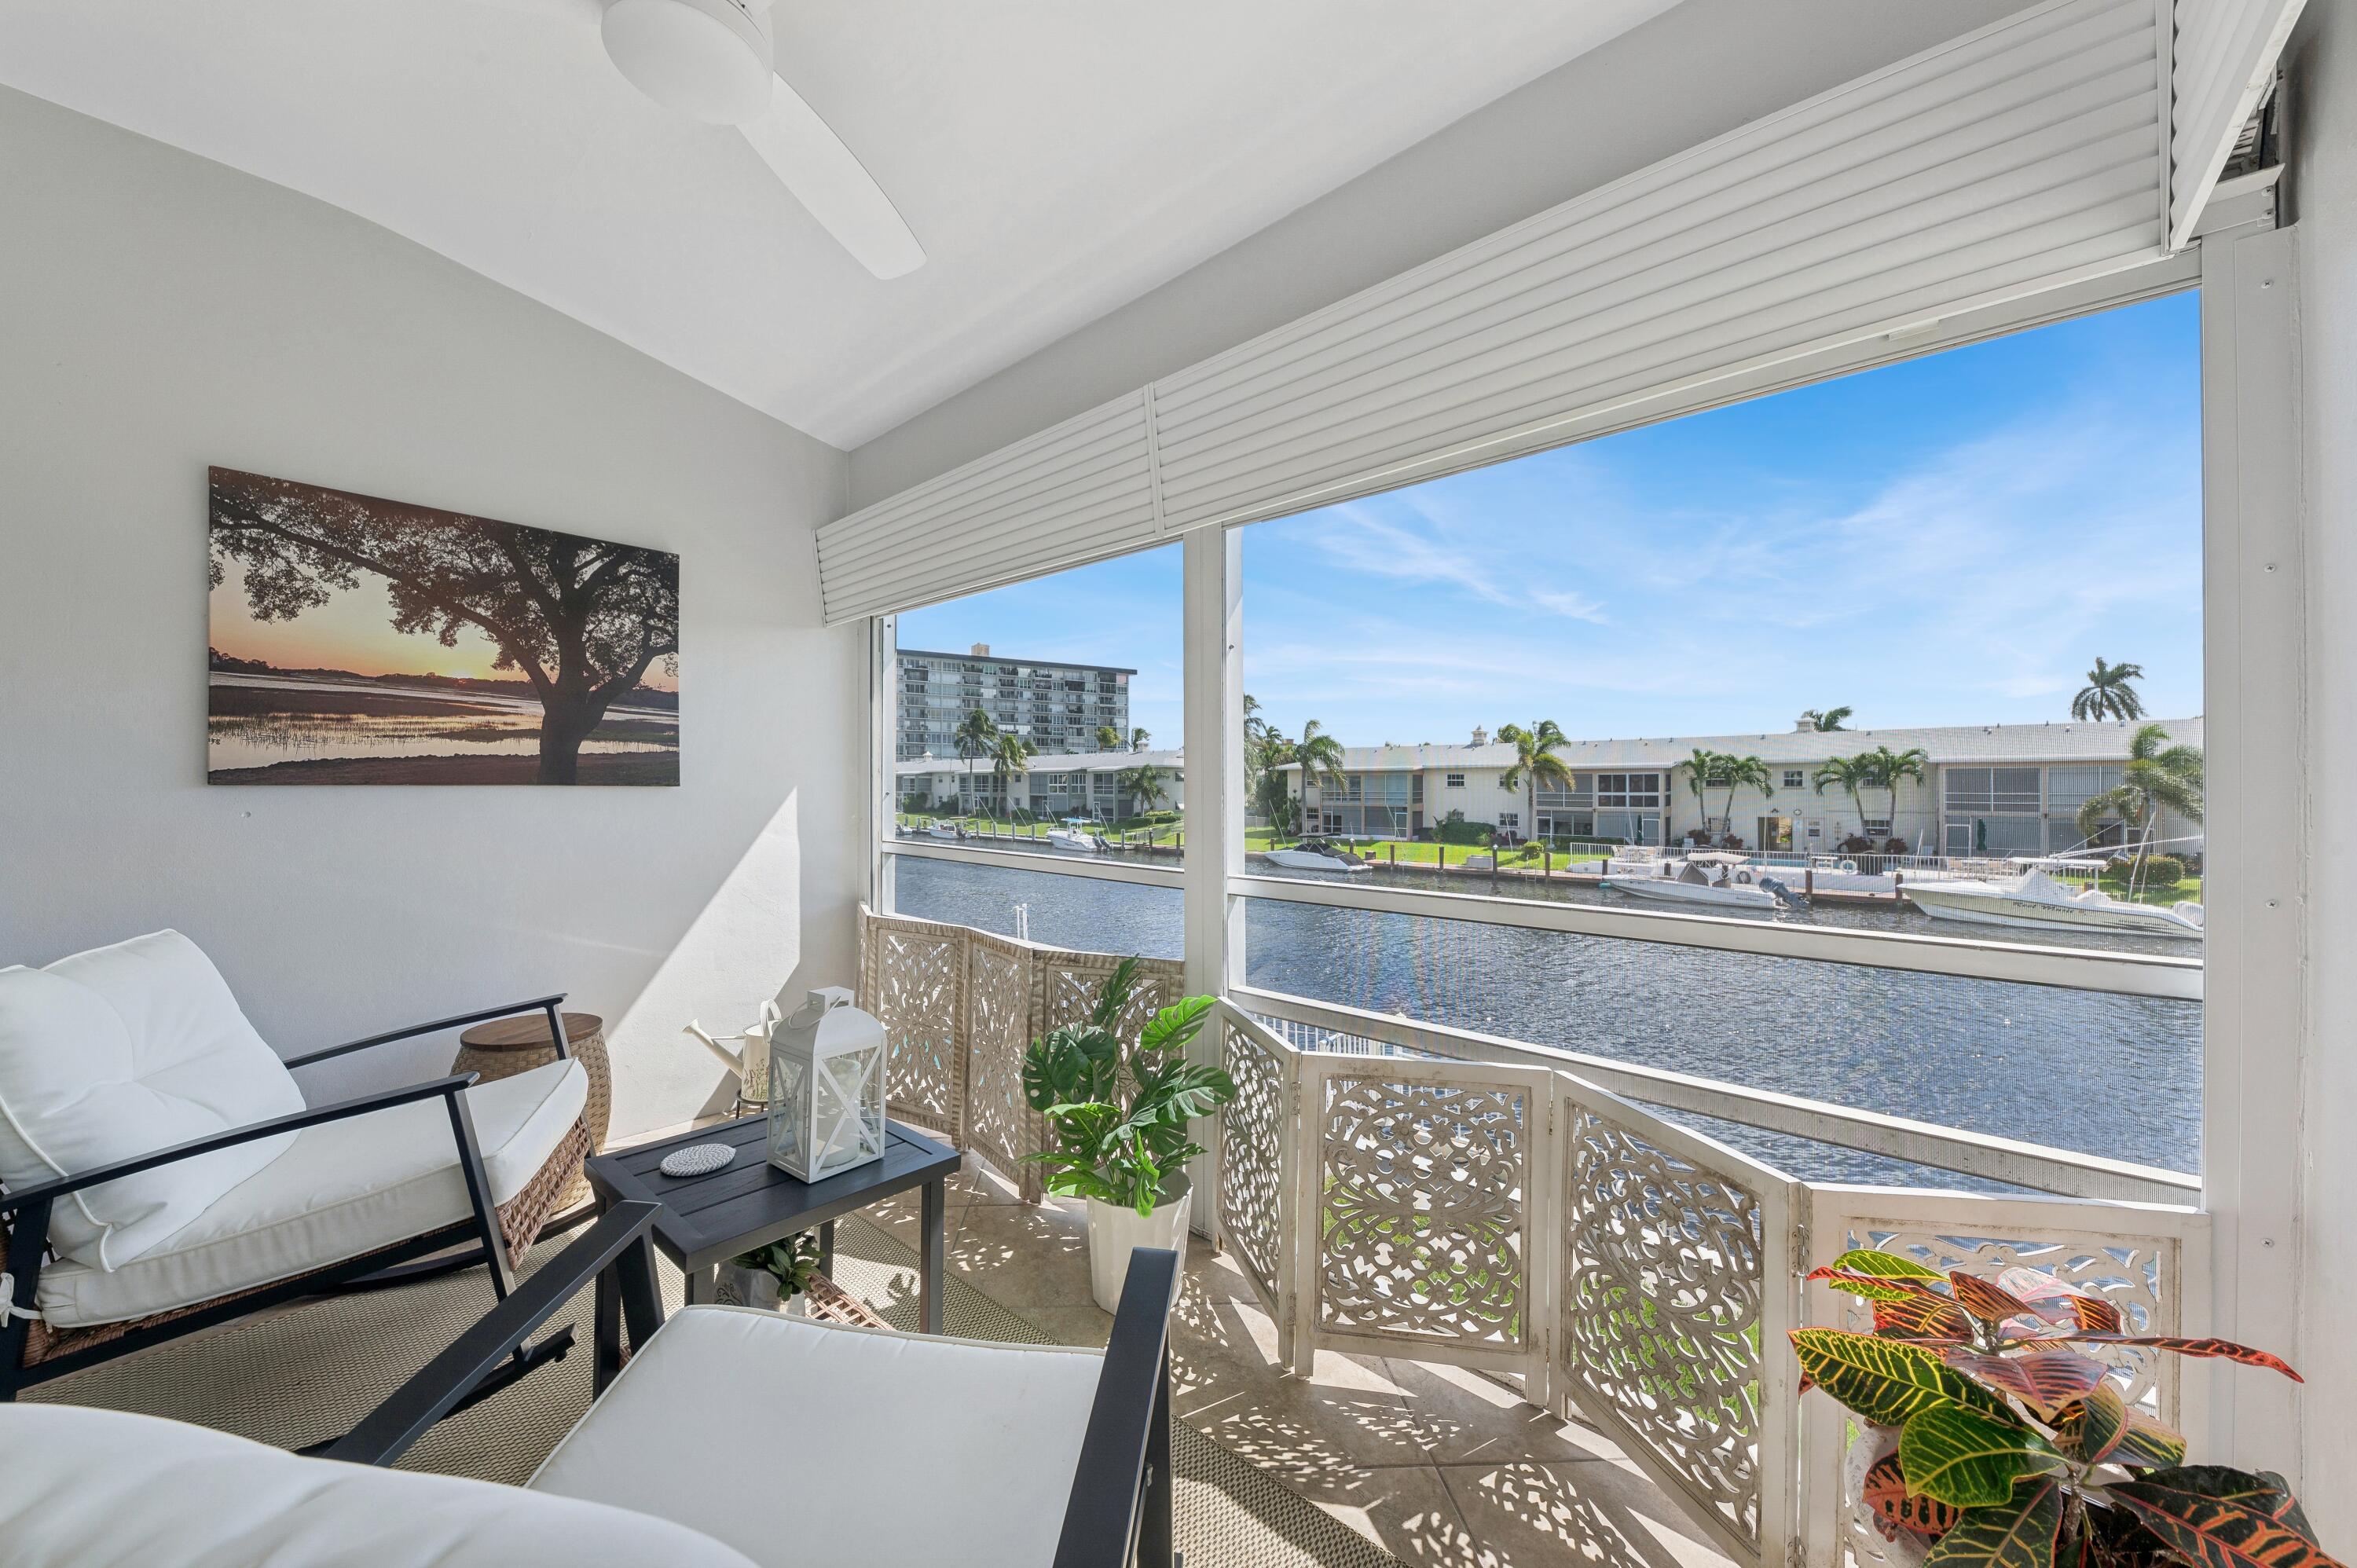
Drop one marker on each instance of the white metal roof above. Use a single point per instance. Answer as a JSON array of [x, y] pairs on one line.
[[2074, 741]]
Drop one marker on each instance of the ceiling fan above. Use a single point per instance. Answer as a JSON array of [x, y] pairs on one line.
[[715, 60]]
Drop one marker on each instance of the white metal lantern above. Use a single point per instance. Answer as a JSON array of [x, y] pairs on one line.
[[826, 1087]]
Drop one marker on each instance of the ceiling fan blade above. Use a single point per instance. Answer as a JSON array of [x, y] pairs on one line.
[[826, 178]]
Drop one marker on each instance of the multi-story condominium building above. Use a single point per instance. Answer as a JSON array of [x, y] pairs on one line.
[[1985, 790], [1056, 707]]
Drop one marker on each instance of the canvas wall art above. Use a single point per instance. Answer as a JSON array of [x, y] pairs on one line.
[[357, 641]]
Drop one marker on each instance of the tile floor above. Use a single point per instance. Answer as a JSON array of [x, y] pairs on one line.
[[1440, 1466]]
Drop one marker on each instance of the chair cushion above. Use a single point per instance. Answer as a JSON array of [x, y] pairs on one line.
[[340, 1189], [798, 1443], [94, 1488], [119, 1052]]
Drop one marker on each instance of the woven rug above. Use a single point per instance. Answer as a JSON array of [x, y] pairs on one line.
[[306, 1373]]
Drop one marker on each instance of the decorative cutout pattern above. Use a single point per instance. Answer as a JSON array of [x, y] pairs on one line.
[[1422, 1192], [1252, 1165], [916, 987], [1000, 1125], [2134, 1273], [959, 1008], [1661, 1294]]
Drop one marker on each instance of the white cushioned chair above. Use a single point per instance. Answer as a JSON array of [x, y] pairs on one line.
[[160, 1170], [733, 1437]]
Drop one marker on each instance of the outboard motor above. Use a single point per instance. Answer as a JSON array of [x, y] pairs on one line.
[[1782, 894]]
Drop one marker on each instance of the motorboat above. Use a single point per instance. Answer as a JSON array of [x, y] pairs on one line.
[[2034, 898], [1317, 855], [945, 831], [1075, 836], [1725, 880]]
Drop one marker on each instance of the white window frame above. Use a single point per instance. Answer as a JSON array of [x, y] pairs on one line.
[[2254, 629]]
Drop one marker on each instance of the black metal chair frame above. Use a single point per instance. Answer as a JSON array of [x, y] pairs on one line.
[[1117, 1515], [28, 1215]]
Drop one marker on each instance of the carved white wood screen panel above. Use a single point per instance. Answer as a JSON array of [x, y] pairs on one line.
[[912, 977], [2149, 1259], [1677, 1290], [1257, 1137], [1415, 1192]]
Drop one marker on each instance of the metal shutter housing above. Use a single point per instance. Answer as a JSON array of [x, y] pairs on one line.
[[2020, 157], [2223, 54]]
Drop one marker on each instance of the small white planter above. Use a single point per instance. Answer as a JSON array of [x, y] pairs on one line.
[[1115, 1232], [746, 1287]]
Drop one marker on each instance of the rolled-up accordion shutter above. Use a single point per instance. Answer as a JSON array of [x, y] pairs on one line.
[[1082, 491], [2027, 155], [2224, 53]]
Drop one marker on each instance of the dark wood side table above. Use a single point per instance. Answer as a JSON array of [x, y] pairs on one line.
[[749, 1203]]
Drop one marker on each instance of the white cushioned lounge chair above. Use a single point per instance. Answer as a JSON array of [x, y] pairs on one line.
[[160, 1170], [732, 1437]]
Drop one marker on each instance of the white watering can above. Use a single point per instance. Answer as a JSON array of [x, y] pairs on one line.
[[748, 1059]]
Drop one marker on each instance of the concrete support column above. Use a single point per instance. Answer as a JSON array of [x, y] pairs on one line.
[[2323, 205]]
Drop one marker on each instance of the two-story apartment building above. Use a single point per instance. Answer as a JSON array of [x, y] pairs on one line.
[[1993, 789], [1097, 785]]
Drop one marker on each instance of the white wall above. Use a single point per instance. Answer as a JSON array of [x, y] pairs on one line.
[[2324, 197], [163, 313], [1699, 69]]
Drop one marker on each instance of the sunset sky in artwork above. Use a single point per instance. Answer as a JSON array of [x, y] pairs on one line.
[[354, 631]]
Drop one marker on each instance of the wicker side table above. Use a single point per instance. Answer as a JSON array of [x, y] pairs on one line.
[[506, 1046]]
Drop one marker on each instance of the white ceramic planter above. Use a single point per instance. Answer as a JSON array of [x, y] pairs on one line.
[[1114, 1233], [746, 1287]]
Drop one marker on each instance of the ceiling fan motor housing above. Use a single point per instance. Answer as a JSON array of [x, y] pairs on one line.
[[709, 58]]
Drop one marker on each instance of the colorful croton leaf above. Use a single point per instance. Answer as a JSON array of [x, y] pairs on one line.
[[1899, 1509], [2223, 1518], [1884, 1381], [2019, 1531], [2015, 1450], [2046, 1380], [1965, 1456]]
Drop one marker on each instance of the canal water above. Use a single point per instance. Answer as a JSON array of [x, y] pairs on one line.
[[2107, 1075]]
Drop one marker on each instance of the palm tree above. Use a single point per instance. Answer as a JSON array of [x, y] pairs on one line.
[[2157, 777], [1886, 767], [1009, 755], [1144, 785], [1108, 738], [977, 736], [2107, 694], [1825, 720], [1140, 740], [1320, 756], [1853, 773], [1534, 760], [1725, 771]]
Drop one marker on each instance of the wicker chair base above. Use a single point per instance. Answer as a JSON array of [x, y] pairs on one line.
[[521, 1218]]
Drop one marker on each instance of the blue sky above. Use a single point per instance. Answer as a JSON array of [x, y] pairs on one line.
[[1948, 540]]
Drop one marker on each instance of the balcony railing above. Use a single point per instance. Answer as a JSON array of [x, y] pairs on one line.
[[1500, 1207]]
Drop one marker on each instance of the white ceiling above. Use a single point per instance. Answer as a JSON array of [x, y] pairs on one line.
[[1055, 159]]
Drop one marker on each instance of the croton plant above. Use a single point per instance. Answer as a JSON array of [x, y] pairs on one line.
[[2015, 1448]]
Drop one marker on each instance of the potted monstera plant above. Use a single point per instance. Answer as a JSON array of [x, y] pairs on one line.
[[1119, 1116], [1990, 1439]]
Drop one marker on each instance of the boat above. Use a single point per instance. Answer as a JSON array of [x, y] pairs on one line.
[[1076, 837], [2034, 898], [945, 831], [1705, 878], [1316, 855]]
